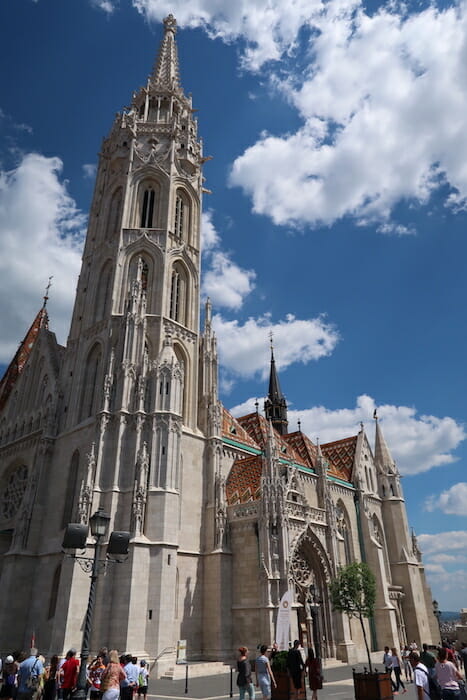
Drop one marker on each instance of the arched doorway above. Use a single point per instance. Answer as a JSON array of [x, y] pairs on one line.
[[310, 575]]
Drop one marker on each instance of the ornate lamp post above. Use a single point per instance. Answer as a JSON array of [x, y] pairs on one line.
[[75, 538]]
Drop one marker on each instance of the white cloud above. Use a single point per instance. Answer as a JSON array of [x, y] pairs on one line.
[[452, 502], [382, 101], [417, 443], [224, 282], [105, 5], [269, 27], [244, 350], [381, 123], [41, 235], [443, 542], [89, 170]]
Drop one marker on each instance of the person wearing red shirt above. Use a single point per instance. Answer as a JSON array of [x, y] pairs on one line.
[[69, 674]]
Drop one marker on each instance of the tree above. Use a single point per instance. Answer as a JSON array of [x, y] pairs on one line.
[[353, 591]]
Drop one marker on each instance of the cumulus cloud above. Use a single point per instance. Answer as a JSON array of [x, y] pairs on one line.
[[452, 502], [224, 282], [42, 231], [268, 27], [443, 542], [417, 443], [381, 123], [244, 351]]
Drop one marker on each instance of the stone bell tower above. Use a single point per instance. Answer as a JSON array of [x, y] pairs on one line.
[[130, 374]]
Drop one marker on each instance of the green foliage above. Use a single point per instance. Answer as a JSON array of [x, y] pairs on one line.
[[279, 661], [353, 590]]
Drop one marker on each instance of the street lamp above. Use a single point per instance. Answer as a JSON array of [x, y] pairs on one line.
[[75, 538]]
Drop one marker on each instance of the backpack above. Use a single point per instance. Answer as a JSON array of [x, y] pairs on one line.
[[33, 680], [434, 687]]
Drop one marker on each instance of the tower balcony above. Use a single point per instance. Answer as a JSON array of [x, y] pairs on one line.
[[158, 236]]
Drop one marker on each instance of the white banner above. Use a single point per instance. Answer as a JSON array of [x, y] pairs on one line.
[[283, 621]]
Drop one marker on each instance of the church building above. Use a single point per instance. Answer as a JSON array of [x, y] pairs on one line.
[[225, 514]]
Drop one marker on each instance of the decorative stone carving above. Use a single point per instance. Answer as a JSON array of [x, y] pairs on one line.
[[87, 485]]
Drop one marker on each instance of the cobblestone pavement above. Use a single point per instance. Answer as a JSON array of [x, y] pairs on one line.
[[337, 685]]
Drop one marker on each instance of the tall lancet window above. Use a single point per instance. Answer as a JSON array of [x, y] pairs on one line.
[[147, 208], [114, 213], [103, 295], [90, 387], [178, 293], [180, 214]]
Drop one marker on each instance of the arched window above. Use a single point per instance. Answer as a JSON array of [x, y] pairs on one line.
[[70, 494], [114, 214], [343, 529], [178, 294], [147, 208], [103, 296], [181, 215], [91, 385]]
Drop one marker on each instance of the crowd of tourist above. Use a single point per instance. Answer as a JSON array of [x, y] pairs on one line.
[[435, 673], [108, 676]]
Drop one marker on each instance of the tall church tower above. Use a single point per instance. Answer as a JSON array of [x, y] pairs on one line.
[[130, 372]]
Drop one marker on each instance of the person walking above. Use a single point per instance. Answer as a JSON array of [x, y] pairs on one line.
[[447, 676], [69, 674], [112, 676], [244, 680], [264, 675], [95, 672], [407, 667], [420, 676], [295, 668], [396, 667], [428, 659], [143, 679], [315, 673]]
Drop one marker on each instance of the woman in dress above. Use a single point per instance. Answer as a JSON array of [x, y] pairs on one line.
[[396, 667], [406, 662], [315, 675], [113, 674], [264, 675], [244, 682], [447, 676], [50, 679]]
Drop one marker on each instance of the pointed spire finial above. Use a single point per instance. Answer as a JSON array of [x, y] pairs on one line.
[[299, 425], [257, 406], [46, 295], [375, 414], [166, 72]]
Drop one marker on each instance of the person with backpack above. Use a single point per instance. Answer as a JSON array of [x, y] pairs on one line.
[[29, 674], [447, 676], [420, 677]]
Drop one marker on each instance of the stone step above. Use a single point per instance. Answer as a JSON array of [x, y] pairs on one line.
[[195, 670]]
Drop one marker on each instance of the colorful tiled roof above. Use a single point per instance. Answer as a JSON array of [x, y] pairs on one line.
[[17, 364], [232, 429], [340, 455], [302, 444], [257, 427], [243, 482]]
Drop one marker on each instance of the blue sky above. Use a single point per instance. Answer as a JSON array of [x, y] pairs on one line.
[[337, 218]]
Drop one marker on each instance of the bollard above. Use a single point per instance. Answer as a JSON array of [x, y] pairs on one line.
[[231, 682], [186, 680]]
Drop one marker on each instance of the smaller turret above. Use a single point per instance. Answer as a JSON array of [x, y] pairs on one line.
[[275, 406]]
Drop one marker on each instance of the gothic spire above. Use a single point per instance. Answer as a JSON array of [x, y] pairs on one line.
[[383, 458], [166, 74], [275, 406]]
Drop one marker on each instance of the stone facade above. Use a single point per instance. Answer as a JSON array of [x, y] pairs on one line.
[[225, 514]]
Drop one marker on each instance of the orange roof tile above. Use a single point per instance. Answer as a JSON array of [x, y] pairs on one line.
[[232, 429], [243, 482], [257, 427], [304, 446], [341, 455], [17, 364]]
